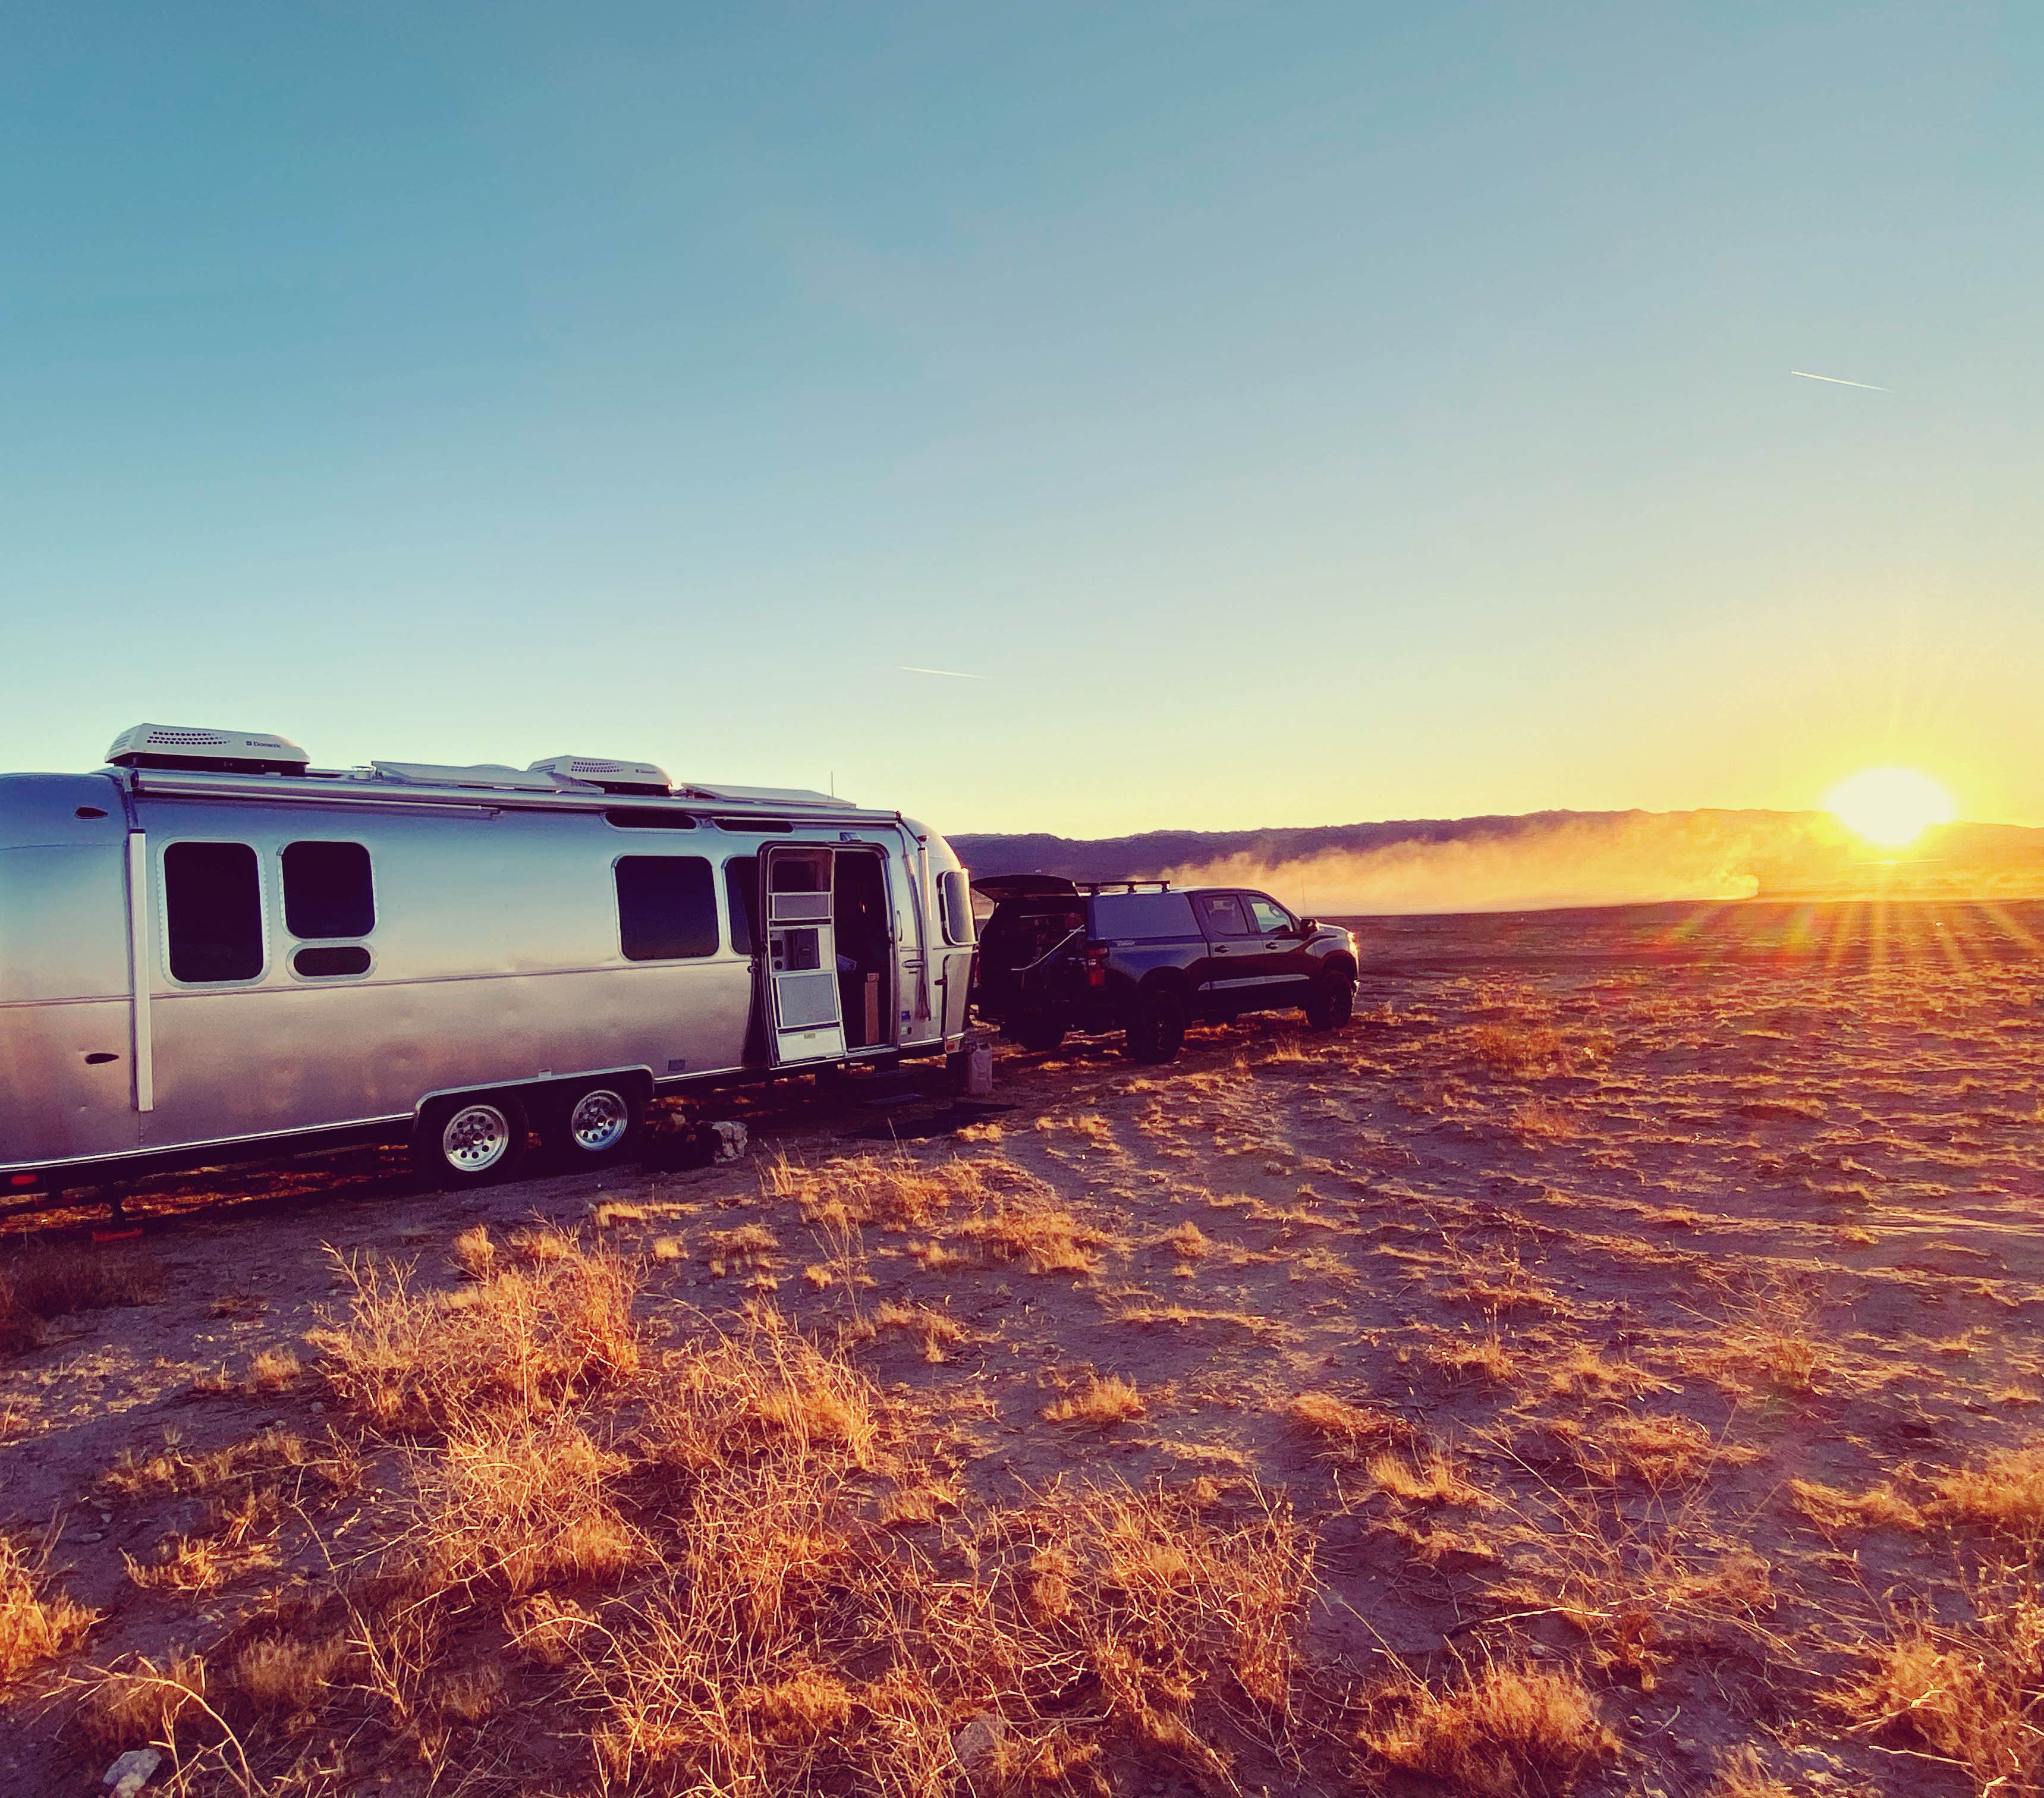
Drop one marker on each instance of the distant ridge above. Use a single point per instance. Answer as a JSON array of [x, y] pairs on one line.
[[1544, 860]]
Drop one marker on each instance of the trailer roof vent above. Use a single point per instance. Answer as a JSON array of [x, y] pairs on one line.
[[206, 751], [640, 778], [489, 777], [776, 796]]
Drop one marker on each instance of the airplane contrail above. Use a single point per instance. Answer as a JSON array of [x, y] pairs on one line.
[[1836, 382], [949, 673]]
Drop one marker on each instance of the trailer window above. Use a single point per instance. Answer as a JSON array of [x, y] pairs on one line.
[[333, 963], [327, 891], [955, 891], [667, 907], [741, 883], [212, 911]]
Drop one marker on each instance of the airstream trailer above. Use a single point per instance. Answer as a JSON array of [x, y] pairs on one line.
[[208, 949]]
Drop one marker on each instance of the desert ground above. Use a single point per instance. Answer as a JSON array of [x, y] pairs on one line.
[[1611, 1365]]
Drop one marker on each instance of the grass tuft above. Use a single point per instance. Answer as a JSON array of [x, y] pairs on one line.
[[1498, 1733]]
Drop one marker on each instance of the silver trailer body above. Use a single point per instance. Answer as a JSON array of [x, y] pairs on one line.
[[196, 964]]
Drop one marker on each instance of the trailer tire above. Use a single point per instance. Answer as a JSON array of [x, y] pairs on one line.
[[477, 1140], [1040, 1034], [1157, 1026], [1332, 1002], [594, 1125]]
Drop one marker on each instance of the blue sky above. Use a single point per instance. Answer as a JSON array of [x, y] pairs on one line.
[[1295, 413]]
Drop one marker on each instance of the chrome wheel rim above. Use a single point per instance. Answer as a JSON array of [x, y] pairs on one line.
[[599, 1121], [476, 1137]]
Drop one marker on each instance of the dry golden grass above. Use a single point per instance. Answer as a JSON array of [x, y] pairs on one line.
[[171, 1472], [542, 1245], [939, 1330], [50, 1282], [1089, 1126], [1744, 1773], [1832, 1510], [1431, 1480], [514, 1507], [1497, 1733], [897, 1193], [723, 1560], [1189, 1242], [1542, 1120], [1099, 1403], [273, 1370], [1972, 1694], [1349, 1432], [2005, 1493], [1657, 1451], [522, 1341], [1519, 1050], [744, 1248], [1045, 1239], [288, 1677], [37, 1624], [474, 1251], [1483, 1360], [144, 1700]]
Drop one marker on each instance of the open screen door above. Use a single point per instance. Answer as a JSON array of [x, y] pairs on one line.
[[804, 1022]]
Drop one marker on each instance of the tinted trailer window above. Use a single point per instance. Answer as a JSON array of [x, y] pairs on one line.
[[327, 891], [666, 908], [213, 912]]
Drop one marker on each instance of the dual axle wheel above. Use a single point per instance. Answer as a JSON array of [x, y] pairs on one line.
[[479, 1140]]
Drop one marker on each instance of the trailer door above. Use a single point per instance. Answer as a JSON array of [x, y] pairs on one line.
[[800, 967]]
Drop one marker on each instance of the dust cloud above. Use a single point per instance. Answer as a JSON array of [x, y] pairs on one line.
[[1536, 863]]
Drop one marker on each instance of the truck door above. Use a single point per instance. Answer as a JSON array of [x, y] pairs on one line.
[[800, 967], [1282, 958], [1231, 974]]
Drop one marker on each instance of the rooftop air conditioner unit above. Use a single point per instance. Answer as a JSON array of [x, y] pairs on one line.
[[639, 777], [206, 751]]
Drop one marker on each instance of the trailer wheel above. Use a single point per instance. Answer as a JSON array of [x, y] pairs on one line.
[[596, 1124], [470, 1142], [1157, 1026]]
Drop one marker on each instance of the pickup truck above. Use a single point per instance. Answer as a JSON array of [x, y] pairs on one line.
[[1146, 958]]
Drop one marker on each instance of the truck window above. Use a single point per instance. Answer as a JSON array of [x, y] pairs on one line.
[[1268, 916], [1220, 914], [327, 891], [667, 907], [741, 883], [955, 891], [212, 911], [1144, 914]]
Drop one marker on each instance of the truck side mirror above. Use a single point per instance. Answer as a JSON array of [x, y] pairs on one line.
[[1308, 926]]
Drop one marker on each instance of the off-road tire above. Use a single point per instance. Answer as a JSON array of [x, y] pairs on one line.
[[1156, 1027], [1039, 1035], [477, 1139], [1330, 1002]]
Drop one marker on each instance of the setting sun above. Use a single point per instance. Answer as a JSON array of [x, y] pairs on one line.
[[1890, 806]]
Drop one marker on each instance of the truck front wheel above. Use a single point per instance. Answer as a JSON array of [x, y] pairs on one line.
[[1332, 1002]]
